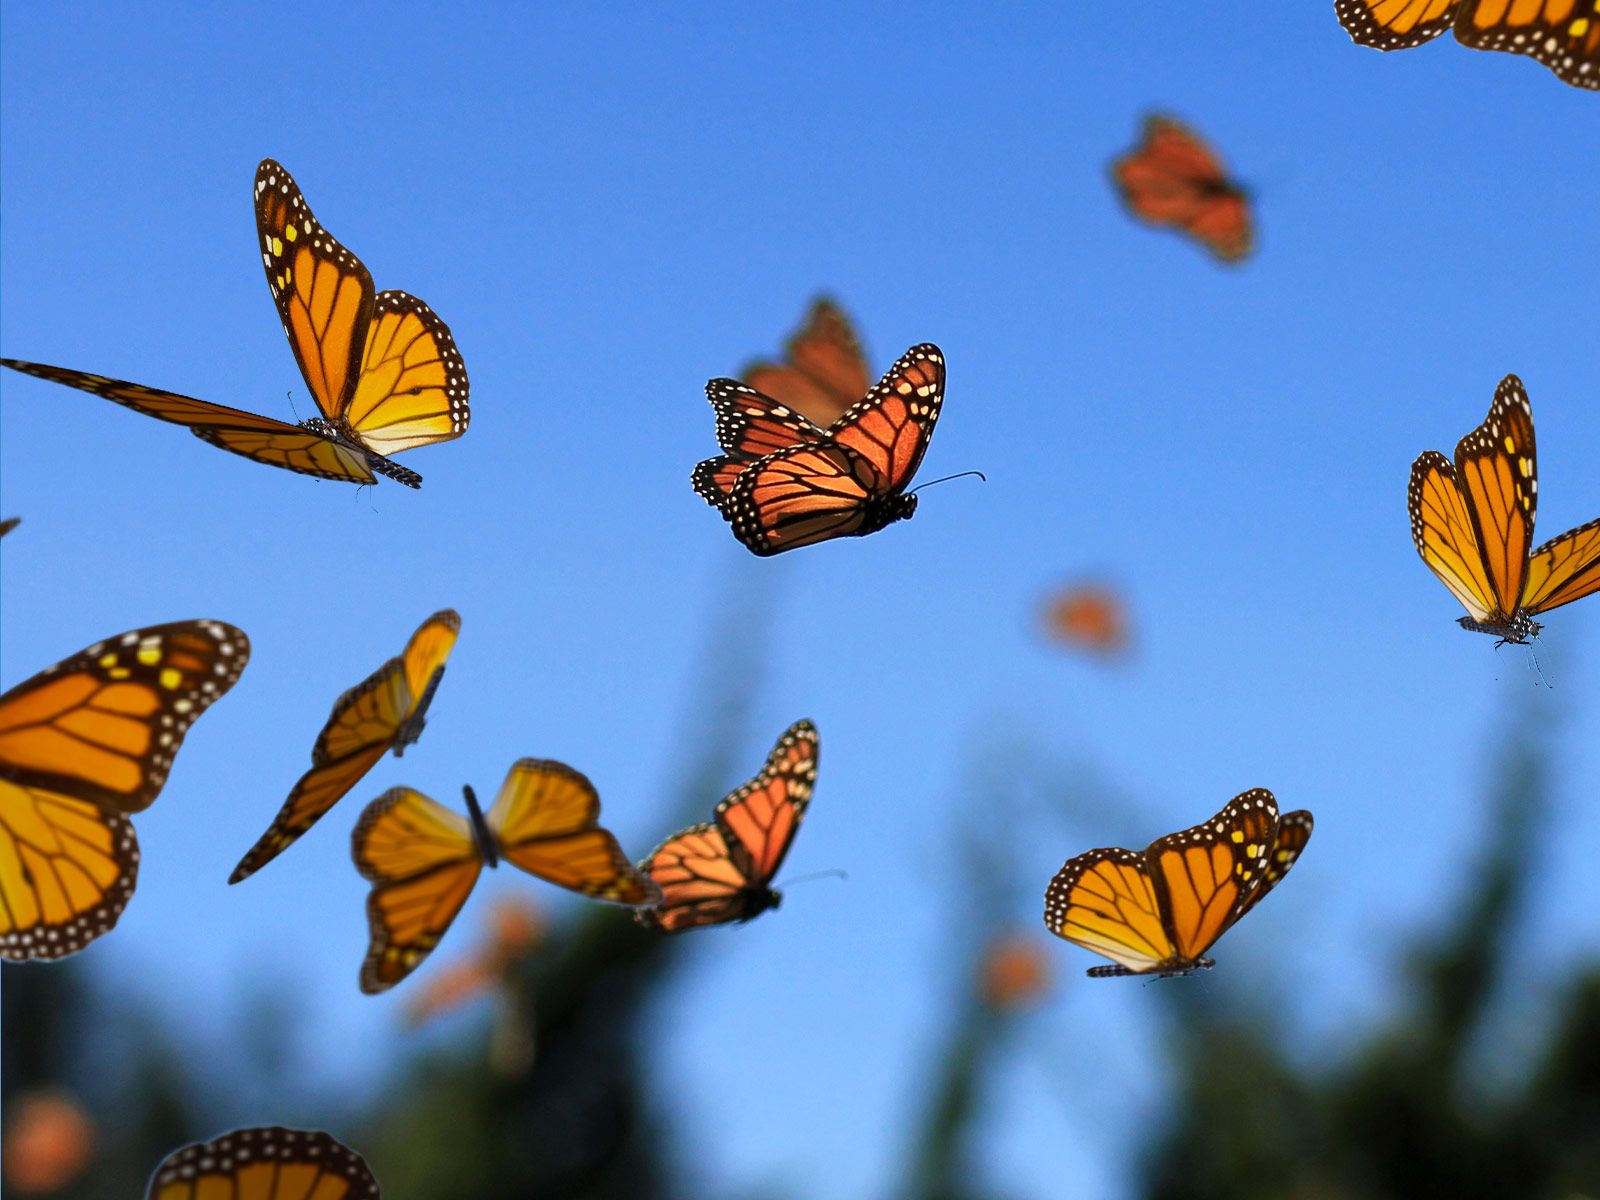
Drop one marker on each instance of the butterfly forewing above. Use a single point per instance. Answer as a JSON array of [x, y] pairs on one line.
[[1105, 901], [1445, 536], [1564, 569], [826, 372], [1206, 875], [1294, 831], [889, 429], [751, 425], [1497, 472], [1395, 24], [265, 1163], [1563, 35]]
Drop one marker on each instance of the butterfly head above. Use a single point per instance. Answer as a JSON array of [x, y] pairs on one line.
[[1519, 631], [759, 899]]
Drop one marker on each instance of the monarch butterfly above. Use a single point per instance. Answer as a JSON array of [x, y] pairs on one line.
[[1564, 35], [1174, 178], [826, 370], [423, 859], [382, 367], [1158, 912], [265, 1163], [846, 481], [384, 711], [83, 744], [1472, 523], [1090, 617], [722, 870]]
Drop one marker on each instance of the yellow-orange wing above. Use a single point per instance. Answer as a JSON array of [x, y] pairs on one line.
[[1443, 532], [1564, 35], [1395, 24], [423, 861], [1104, 901], [265, 1163], [546, 820], [826, 370], [67, 870], [412, 390], [103, 726], [1564, 569], [276, 443], [385, 711], [1497, 471]]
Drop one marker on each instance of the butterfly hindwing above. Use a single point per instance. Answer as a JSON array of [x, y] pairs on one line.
[[265, 1163], [1294, 831], [1444, 534], [412, 389], [1104, 900], [1563, 35], [1395, 24], [1564, 569], [1497, 471]]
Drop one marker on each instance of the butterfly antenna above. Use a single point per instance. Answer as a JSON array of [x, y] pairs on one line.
[[292, 408], [947, 479], [815, 875]]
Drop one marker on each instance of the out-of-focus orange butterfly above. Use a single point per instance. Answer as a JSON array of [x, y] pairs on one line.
[[385, 711], [423, 859], [722, 870], [782, 482], [1090, 617], [1158, 912], [265, 1163], [826, 373], [1472, 523], [83, 744], [382, 367], [1564, 35], [1173, 178]]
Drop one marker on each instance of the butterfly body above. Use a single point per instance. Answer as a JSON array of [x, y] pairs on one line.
[[1158, 911], [482, 836], [409, 730]]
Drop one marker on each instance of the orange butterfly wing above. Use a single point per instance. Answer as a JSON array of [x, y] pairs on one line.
[[1175, 179], [265, 1163], [826, 372], [1395, 24], [750, 425], [1105, 901], [1563, 35], [1564, 569], [1497, 471], [1090, 617], [412, 390], [1294, 831]]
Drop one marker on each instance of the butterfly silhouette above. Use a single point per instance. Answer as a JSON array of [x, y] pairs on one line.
[[265, 1163], [783, 482], [1158, 912], [826, 371], [385, 711], [423, 859], [722, 870], [1173, 178], [1472, 523], [82, 745], [1563, 35], [382, 367]]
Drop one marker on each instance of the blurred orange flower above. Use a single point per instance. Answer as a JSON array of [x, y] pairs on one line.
[[1013, 972], [1089, 616], [47, 1144]]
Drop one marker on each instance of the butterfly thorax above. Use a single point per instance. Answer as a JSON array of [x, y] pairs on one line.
[[1519, 630], [896, 506], [340, 431], [482, 836], [758, 899]]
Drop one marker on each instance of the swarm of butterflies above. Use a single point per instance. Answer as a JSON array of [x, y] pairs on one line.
[[811, 450]]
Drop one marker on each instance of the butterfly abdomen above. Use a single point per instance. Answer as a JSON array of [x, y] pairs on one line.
[[1521, 628]]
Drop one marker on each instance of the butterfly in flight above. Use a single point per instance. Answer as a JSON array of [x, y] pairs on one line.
[[265, 1163], [1158, 912], [1472, 523], [83, 744], [722, 870], [423, 859], [1173, 178], [784, 482], [1563, 35], [1090, 617], [382, 367], [826, 370], [385, 711]]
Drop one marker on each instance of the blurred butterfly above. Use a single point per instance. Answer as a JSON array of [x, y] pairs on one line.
[[83, 744], [265, 1163], [1472, 522], [783, 482], [722, 870], [1090, 617], [423, 859], [9, 524], [826, 370], [1173, 178], [1564, 35], [383, 369], [1158, 912], [385, 711]]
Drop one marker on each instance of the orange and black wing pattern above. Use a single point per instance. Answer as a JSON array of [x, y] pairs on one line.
[[265, 1163], [385, 711], [1175, 180], [546, 820], [1564, 569], [423, 861], [722, 871], [1294, 831], [750, 425], [276, 443], [1563, 35], [412, 389], [852, 482], [826, 371], [1395, 24]]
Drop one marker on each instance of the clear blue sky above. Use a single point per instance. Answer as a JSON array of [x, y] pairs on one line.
[[610, 207]]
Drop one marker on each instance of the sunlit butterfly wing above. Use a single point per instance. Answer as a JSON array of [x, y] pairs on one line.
[[103, 726], [1564, 569], [722, 871], [826, 371], [412, 390], [1395, 24], [423, 862], [546, 820], [1563, 35], [276, 443], [1174, 179], [385, 711], [265, 1163], [1294, 831], [1443, 533], [749, 426], [1497, 471], [1105, 901]]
